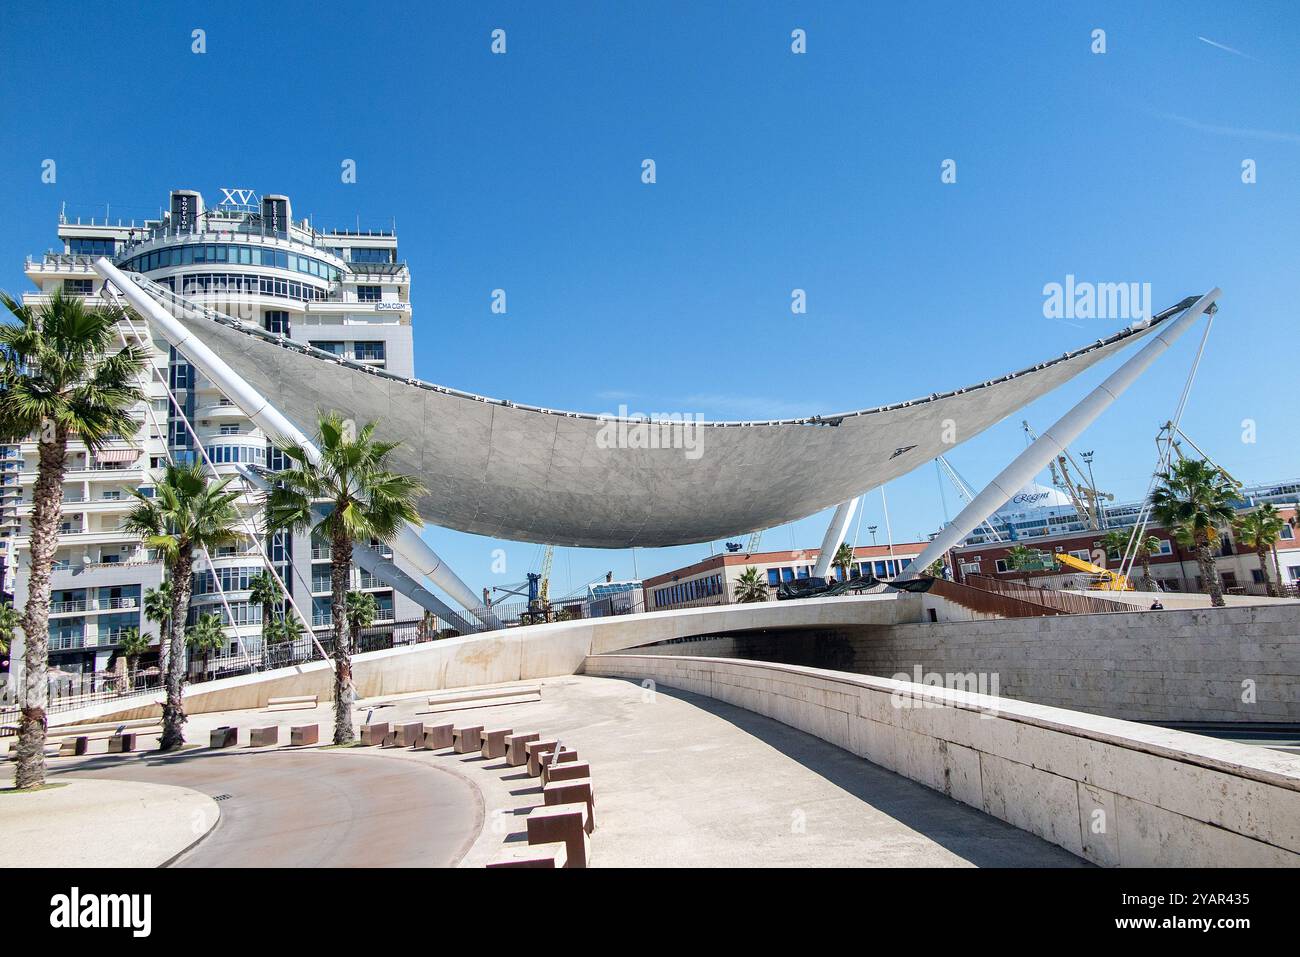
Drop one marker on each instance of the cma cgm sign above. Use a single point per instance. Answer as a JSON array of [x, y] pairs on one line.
[[238, 197]]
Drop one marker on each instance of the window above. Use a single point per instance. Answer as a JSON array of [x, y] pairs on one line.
[[79, 287], [276, 321], [1002, 566], [368, 350], [88, 246], [970, 568], [1293, 572], [1288, 532], [333, 348], [231, 454], [369, 293], [1166, 547], [368, 254], [229, 430], [774, 576], [238, 254]]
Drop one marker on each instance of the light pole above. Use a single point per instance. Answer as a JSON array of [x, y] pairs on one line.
[[1092, 486], [872, 530]]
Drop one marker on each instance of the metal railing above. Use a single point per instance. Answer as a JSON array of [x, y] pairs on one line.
[[984, 602], [1063, 601]]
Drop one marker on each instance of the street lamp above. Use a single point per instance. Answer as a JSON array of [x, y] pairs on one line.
[[872, 530], [1092, 485]]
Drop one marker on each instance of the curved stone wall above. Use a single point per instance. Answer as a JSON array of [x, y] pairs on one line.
[[1114, 792]]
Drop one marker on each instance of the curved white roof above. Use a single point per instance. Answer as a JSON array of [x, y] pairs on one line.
[[519, 472]]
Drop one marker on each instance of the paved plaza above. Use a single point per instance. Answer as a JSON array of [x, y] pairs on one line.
[[680, 780]]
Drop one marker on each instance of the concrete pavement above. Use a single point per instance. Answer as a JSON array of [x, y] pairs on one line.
[[681, 780], [101, 823]]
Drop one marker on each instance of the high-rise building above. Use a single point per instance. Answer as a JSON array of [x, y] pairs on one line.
[[344, 291]]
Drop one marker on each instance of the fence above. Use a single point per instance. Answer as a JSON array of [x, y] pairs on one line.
[[1063, 601], [984, 602]]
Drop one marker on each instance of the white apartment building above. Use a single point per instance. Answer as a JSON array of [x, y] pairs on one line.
[[345, 291]]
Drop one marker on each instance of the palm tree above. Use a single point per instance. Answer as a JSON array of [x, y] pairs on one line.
[[1260, 530], [276, 633], [843, 559], [1024, 560], [282, 630], [205, 636], [1194, 499], [263, 590], [131, 645], [60, 376], [362, 609], [751, 586], [158, 609], [9, 621], [361, 498], [186, 513]]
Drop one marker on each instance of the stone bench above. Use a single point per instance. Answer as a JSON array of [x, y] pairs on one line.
[[223, 737], [534, 855], [437, 736], [293, 703], [407, 735], [565, 823], [494, 742], [578, 791], [565, 771], [74, 746], [534, 750], [545, 761], [467, 739], [121, 743], [516, 756], [373, 733], [264, 737], [301, 735], [460, 700]]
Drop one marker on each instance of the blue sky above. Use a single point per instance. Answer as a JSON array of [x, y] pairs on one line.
[[775, 171]]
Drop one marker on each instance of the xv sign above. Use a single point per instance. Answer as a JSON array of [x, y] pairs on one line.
[[238, 197]]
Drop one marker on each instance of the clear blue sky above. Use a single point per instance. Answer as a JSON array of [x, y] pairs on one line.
[[775, 172]]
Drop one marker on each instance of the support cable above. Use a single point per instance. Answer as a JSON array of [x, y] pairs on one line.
[[1138, 534], [249, 526]]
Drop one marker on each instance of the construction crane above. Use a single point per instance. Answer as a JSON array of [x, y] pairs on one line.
[[964, 491], [548, 559], [1103, 579], [1084, 497], [536, 589]]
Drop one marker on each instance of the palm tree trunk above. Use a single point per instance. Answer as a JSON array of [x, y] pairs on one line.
[[1148, 583], [344, 692], [1209, 574], [1277, 571], [47, 509], [173, 735], [1261, 552]]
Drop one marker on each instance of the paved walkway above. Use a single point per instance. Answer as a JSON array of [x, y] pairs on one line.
[[681, 780], [101, 823], [311, 807]]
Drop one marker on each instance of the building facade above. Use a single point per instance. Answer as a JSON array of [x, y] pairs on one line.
[[344, 291], [1048, 523], [712, 581]]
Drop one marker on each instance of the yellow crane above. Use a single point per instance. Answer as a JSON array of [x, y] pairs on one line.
[[1104, 579]]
